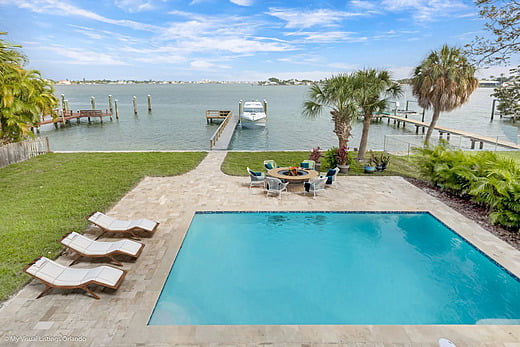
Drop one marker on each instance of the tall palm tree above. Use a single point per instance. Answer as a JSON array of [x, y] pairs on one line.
[[372, 87], [443, 81], [334, 93]]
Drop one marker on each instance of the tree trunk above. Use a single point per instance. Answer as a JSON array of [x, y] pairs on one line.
[[364, 137], [435, 117], [342, 130]]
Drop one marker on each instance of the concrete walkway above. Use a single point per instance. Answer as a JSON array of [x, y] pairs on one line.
[[120, 317]]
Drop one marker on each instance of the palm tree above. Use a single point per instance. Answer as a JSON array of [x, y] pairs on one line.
[[443, 81], [372, 87], [334, 93]]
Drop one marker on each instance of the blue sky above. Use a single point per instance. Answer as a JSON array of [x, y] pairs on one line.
[[234, 40]]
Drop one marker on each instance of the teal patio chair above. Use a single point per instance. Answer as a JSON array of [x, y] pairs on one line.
[[256, 178], [308, 164], [270, 164]]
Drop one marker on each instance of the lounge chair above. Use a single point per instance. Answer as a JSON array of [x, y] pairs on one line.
[[275, 186], [318, 184], [308, 164], [86, 247], [270, 164], [331, 175], [256, 178], [111, 225], [55, 275]]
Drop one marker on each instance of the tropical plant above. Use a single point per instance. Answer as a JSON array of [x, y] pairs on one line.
[[484, 177], [372, 88], [24, 96], [330, 158], [443, 81], [342, 156], [334, 93], [316, 154]]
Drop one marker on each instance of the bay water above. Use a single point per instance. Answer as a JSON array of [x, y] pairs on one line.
[[177, 120]]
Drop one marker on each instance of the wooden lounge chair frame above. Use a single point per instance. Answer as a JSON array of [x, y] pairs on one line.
[[131, 231], [109, 255], [84, 286]]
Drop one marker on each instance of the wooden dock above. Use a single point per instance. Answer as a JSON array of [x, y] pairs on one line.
[[216, 115], [222, 136], [66, 117], [443, 130]]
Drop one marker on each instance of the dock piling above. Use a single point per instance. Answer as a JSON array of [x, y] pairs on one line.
[[110, 104], [134, 101], [117, 110], [93, 102], [149, 103]]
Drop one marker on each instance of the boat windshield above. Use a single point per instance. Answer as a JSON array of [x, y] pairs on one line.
[[254, 109]]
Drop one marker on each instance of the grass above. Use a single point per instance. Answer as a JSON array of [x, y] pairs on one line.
[[50, 195], [236, 162]]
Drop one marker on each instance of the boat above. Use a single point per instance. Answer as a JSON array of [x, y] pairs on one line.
[[253, 113]]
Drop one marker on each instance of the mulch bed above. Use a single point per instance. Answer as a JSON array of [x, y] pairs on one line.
[[469, 209]]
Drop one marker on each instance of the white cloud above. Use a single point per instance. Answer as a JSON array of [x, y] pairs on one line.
[[305, 19], [207, 65], [134, 5], [425, 10], [328, 36], [366, 5], [78, 56], [242, 2], [61, 8]]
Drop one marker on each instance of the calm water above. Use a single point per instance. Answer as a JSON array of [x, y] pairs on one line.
[[178, 119], [331, 268]]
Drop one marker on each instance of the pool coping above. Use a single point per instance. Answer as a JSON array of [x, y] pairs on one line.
[[278, 334]]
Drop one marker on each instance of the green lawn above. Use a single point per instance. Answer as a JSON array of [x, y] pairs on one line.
[[236, 162], [45, 197]]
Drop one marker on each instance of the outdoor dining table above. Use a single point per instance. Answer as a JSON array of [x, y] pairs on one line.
[[296, 181]]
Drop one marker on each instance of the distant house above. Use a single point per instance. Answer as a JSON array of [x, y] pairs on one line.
[[489, 84]]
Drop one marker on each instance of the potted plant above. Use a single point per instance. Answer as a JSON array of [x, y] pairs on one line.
[[370, 167], [316, 155], [342, 159], [384, 159]]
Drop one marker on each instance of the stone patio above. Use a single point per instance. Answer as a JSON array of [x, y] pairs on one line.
[[120, 317]]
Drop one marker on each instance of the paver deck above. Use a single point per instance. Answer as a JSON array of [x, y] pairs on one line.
[[120, 317]]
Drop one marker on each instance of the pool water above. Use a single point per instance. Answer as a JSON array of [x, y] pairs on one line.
[[332, 268]]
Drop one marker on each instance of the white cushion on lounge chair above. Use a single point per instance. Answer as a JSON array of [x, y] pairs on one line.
[[88, 247], [59, 275], [112, 224]]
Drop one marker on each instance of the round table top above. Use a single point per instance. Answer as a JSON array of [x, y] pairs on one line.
[[293, 179]]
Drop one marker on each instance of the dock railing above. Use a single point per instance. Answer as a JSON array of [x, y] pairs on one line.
[[20, 151], [213, 140]]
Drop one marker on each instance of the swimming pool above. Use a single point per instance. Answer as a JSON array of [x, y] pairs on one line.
[[332, 268]]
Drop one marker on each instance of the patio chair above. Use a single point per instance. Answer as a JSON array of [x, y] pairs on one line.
[[275, 186], [315, 186], [86, 247], [331, 175], [256, 178], [55, 275], [308, 164], [111, 225], [270, 164]]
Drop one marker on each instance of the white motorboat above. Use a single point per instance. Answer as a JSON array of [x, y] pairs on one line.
[[253, 113]]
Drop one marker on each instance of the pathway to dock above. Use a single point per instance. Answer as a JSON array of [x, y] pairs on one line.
[[443, 130], [222, 137]]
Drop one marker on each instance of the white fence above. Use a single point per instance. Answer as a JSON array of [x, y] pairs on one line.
[[20, 151], [406, 143]]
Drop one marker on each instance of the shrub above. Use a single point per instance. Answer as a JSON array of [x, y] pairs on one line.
[[483, 177]]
